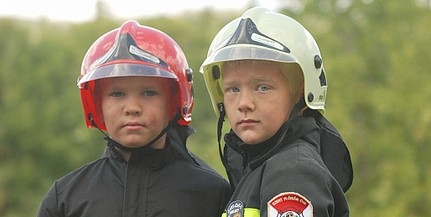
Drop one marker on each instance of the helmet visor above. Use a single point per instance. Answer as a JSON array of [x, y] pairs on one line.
[[251, 52], [124, 70]]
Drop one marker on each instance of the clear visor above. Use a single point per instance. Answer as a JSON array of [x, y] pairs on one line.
[[125, 70], [247, 51]]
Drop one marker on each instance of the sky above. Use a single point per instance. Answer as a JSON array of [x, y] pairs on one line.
[[84, 10]]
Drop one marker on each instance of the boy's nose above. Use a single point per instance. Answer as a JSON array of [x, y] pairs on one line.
[[133, 108], [133, 112], [246, 102]]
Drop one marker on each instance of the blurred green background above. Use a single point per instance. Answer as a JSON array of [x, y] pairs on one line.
[[377, 55]]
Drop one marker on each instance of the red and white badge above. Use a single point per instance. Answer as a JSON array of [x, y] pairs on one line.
[[289, 204]]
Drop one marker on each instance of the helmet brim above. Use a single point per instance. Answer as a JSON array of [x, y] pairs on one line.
[[125, 70], [247, 52]]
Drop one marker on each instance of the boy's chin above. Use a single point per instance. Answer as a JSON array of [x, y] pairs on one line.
[[251, 140]]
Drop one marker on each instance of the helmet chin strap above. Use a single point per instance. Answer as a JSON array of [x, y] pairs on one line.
[[124, 148], [222, 115]]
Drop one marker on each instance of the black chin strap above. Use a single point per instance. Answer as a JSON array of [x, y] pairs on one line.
[[124, 148], [220, 149], [219, 131]]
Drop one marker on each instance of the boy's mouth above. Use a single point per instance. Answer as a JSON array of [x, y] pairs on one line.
[[247, 121]]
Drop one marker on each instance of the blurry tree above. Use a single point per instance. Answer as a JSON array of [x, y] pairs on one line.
[[376, 55], [42, 129]]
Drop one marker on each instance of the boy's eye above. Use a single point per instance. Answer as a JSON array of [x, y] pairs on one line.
[[263, 88], [232, 89], [149, 93], [116, 94]]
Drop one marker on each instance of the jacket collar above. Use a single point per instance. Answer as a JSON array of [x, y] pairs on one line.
[[312, 127], [176, 140], [290, 131]]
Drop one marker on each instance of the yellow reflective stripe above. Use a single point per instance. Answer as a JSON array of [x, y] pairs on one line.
[[251, 212], [248, 212]]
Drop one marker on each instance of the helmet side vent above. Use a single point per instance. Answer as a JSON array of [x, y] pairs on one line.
[[322, 78]]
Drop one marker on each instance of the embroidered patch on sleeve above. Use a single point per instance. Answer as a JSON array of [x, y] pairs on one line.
[[289, 204]]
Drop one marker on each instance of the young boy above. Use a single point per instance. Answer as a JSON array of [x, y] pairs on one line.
[[135, 84], [264, 72]]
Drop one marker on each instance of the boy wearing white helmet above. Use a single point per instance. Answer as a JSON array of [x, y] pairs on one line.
[[136, 85], [264, 72]]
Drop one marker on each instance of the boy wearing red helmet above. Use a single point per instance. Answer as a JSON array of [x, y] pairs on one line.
[[136, 85], [264, 72]]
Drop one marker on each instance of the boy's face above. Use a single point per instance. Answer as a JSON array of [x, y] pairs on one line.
[[258, 100], [136, 109]]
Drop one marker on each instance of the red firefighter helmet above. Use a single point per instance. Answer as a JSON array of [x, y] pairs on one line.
[[135, 50]]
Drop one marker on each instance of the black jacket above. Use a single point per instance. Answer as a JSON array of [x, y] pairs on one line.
[[290, 165], [153, 183]]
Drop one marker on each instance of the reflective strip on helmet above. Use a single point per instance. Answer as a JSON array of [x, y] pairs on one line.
[[248, 212], [123, 70]]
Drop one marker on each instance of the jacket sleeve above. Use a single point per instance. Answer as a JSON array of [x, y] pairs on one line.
[[305, 176], [48, 206]]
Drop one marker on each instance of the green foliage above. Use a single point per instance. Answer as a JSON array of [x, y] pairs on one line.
[[376, 54]]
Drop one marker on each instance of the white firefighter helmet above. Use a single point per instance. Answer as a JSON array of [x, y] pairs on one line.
[[260, 34]]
